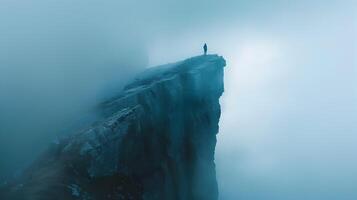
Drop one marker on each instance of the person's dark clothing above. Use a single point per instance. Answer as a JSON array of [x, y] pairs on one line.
[[205, 49]]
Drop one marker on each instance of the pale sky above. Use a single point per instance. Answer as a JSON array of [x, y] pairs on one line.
[[288, 126]]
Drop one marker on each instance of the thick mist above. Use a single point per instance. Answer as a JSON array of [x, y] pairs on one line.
[[287, 129], [57, 60]]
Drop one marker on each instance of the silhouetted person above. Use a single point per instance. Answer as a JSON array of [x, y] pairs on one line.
[[205, 49]]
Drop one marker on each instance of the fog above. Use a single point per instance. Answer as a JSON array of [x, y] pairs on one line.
[[57, 60], [288, 125]]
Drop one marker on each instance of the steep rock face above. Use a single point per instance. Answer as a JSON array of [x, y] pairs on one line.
[[155, 140]]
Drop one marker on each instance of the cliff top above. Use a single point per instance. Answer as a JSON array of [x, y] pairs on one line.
[[162, 72], [166, 72]]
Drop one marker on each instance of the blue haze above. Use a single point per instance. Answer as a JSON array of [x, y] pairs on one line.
[[288, 127]]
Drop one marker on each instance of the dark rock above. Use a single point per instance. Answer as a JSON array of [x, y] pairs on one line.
[[156, 140]]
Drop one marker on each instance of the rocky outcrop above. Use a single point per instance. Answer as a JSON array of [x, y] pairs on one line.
[[155, 140]]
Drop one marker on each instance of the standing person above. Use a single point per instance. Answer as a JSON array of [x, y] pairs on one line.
[[205, 49]]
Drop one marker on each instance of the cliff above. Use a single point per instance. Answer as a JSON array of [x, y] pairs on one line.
[[154, 140]]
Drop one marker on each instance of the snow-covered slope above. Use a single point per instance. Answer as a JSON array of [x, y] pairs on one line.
[[156, 140]]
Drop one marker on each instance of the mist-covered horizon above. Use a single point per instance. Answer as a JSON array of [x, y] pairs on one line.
[[288, 127]]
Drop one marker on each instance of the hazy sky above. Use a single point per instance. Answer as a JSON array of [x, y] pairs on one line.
[[288, 126]]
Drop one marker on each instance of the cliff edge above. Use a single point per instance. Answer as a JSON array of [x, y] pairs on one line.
[[155, 140]]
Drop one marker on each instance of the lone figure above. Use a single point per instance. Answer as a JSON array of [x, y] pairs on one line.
[[205, 49]]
